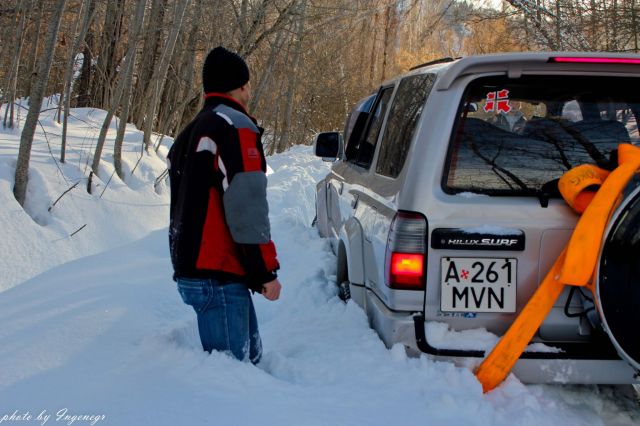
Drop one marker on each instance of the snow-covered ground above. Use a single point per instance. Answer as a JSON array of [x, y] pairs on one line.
[[108, 336], [35, 240]]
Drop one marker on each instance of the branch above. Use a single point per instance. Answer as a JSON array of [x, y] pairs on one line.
[[78, 230], [63, 194]]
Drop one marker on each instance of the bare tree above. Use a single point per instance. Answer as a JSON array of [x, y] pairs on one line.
[[157, 81], [284, 142], [88, 10], [35, 104], [267, 70], [128, 65], [84, 81], [24, 7], [33, 53], [179, 90], [110, 37], [151, 44]]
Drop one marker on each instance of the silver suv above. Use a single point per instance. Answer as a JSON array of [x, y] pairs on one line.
[[443, 208]]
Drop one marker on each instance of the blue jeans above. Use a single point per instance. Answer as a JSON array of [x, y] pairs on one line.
[[226, 317]]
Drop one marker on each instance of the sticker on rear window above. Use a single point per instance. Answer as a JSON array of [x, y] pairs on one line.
[[498, 102]]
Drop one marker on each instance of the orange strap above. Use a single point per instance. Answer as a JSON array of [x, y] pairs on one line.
[[579, 185], [495, 367], [577, 263]]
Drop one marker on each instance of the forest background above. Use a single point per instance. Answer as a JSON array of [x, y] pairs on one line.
[[311, 60]]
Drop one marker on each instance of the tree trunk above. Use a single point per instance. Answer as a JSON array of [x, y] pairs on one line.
[[614, 28], [107, 58], [89, 8], [634, 25], [288, 115], [372, 62], [129, 62], [385, 46], [182, 93], [559, 44], [122, 126], [152, 40], [34, 47], [84, 84], [63, 91], [13, 74], [35, 104], [172, 85], [267, 71], [156, 84]]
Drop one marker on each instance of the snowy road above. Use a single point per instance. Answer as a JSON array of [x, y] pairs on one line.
[[108, 336]]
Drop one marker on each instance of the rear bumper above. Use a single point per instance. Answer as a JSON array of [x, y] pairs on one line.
[[577, 364]]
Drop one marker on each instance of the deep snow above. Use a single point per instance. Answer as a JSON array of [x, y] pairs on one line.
[[107, 335], [34, 239]]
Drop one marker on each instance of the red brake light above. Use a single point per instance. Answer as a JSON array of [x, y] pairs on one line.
[[407, 269], [595, 60], [406, 252]]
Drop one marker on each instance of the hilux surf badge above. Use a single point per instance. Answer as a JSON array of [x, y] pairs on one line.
[[461, 239]]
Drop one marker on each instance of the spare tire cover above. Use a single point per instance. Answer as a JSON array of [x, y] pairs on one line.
[[618, 283]]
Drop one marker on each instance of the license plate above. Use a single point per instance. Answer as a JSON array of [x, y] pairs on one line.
[[478, 284]]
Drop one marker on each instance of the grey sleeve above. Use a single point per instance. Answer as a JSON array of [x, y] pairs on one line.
[[246, 208]]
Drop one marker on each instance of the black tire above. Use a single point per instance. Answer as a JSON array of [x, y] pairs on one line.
[[618, 286], [344, 292], [342, 275]]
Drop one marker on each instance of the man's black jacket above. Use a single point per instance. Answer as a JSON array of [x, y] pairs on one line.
[[219, 217]]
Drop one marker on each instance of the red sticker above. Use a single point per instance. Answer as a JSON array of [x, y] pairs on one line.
[[498, 102]]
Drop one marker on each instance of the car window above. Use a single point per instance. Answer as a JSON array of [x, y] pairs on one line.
[[405, 111], [367, 144], [354, 125], [518, 136]]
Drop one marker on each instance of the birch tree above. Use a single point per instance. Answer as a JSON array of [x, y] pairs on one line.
[[35, 104], [151, 44], [156, 85], [33, 53], [108, 57], [179, 91], [23, 8], [283, 144], [127, 67], [88, 10]]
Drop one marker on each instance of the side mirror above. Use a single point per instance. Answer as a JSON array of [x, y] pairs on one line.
[[327, 145]]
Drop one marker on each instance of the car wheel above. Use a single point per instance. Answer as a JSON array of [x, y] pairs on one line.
[[617, 290], [344, 292], [342, 275]]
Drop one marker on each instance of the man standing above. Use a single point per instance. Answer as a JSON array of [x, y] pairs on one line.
[[219, 232]]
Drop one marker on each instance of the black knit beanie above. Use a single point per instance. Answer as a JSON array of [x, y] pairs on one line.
[[223, 71]]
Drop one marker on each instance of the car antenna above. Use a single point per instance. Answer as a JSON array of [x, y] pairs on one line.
[[434, 62]]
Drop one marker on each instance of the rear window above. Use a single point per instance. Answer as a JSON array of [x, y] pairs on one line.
[[517, 137]]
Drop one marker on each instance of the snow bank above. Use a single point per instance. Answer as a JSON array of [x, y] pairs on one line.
[[440, 335], [35, 239]]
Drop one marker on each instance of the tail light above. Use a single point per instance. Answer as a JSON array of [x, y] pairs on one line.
[[405, 262]]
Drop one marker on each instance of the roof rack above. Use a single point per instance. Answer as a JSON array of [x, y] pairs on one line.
[[434, 62]]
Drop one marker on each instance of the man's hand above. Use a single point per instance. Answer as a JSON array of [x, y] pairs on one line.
[[271, 290]]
